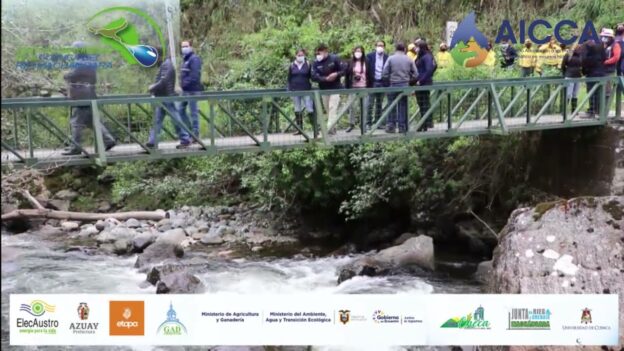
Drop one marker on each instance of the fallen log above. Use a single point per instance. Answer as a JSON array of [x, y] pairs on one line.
[[82, 216]]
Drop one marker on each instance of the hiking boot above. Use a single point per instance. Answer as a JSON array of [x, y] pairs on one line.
[[183, 145], [150, 145], [350, 129], [109, 146], [71, 152], [390, 130]]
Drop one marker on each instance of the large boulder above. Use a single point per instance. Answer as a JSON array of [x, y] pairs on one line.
[[565, 247], [142, 241], [179, 283], [417, 251], [66, 195], [157, 253], [114, 234], [174, 236]]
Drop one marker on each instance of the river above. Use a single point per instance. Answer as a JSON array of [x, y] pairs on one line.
[[32, 265]]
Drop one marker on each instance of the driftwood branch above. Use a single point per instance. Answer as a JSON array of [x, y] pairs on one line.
[[32, 200], [82, 216]]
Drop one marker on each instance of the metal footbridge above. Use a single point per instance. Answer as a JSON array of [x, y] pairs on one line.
[[35, 130]]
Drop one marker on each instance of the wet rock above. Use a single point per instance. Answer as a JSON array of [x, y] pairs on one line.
[[365, 266], [48, 230], [256, 249], [100, 225], [158, 252], [174, 236], [88, 230], [403, 238], [104, 206], [121, 246], [164, 224], [548, 250], [69, 226], [484, 272], [66, 195], [417, 251], [179, 283], [142, 241], [115, 234], [133, 223], [211, 240], [107, 248]]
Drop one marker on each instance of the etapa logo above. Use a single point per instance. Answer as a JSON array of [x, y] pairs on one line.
[[171, 325], [36, 325], [127, 317], [123, 35], [83, 327]]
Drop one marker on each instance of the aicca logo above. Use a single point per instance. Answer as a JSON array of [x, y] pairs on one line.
[[37, 308], [123, 36], [468, 46], [529, 319], [380, 317], [172, 325], [476, 321], [83, 327], [127, 318]]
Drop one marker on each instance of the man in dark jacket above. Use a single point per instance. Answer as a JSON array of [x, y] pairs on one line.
[[376, 61], [165, 86], [190, 81], [593, 66], [509, 54], [327, 71], [81, 86]]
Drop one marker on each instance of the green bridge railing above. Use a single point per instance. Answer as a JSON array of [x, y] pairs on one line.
[[35, 130]]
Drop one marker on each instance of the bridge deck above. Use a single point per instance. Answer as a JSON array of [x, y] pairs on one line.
[[166, 149]]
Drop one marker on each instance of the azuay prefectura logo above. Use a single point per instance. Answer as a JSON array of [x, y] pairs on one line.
[[113, 27], [469, 45], [35, 318]]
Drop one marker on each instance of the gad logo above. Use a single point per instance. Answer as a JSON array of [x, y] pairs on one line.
[[172, 325], [123, 36], [476, 321], [37, 308], [83, 327], [127, 318]]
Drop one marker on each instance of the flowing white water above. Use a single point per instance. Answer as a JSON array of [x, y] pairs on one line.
[[31, 265]]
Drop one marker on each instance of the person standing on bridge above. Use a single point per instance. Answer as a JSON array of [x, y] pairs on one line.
[[299, 74], [165, 86], [327, 71], [376, 61], [399, 71], [190, 81], [571, 67], [426, 68], [81, 83], [593, 66], [509, 54], [613, 52], [619, 38], [357, 78], [527, 59]]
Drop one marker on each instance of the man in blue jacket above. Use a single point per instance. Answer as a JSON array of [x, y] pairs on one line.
[[327, 71], [376, 61], [190, 81], [164, 85]]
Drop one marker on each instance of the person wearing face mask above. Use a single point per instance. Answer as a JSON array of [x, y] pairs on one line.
[[425, 65], [327, 71], [399, 71], [299, 74], [571, 65], [508, 53], [593, 66], [613, 51], [357, 78], [376, 61], [190, 82], [443, 57], [619, 38], [549, 58], [526, 61]]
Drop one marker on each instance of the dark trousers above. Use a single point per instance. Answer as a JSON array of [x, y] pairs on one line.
[[422, 98], [375, 105], [594, 100], [398, 115], [81, 118]]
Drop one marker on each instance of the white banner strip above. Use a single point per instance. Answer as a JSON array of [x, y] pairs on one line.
[[314, 319]]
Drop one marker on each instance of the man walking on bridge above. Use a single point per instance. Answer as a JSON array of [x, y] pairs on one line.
[[81, 86], [327, 71], [165, 86], [190, 81]]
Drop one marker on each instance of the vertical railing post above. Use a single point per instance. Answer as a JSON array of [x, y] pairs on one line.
[[320, 116], [129, 110], [363, 113], [99, 138], [31, 152], [489, 110], [15, 143], [528, 105], [618, 97], [513, 95], [449, 114], [603, 101], [564, 104], [265, 123], [212, 122]]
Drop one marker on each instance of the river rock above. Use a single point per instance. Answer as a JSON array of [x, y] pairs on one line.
[[403, 238], [142, 241], [208, 239], [88, 230], [364, 266], [566, 247], [115, 234], [164, 224], [121, 246], [418, 251], [66, 195], [133, 223], [60, 205], [104, 206], [100, 225], [174, 236], [179, 283], [158, 252], [484, 272], [107, 248], [69, 226]]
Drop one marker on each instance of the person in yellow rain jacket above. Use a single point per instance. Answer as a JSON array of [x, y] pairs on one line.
[[549, 58], [490, 60], [411, 52], [527, 59], [443, 57]]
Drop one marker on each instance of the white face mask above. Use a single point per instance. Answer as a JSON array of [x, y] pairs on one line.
[[380, 50], [358, 55], [320, 57], [300, 59], [604, 39]]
